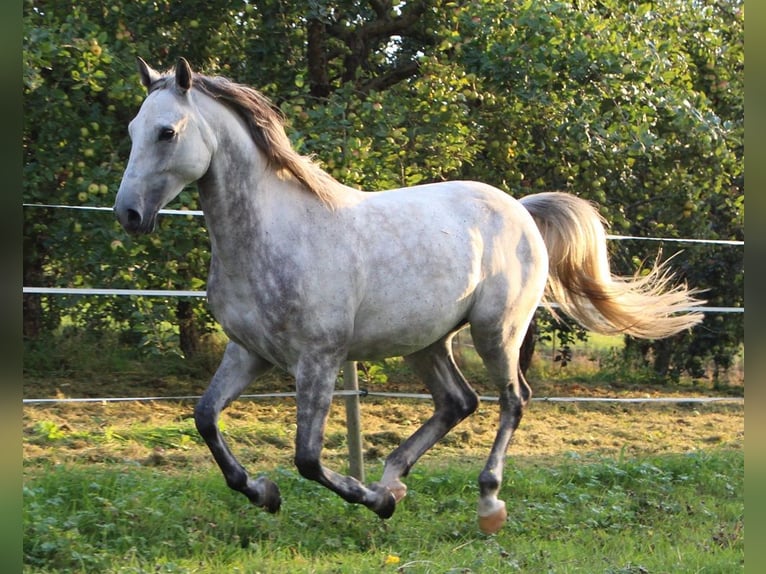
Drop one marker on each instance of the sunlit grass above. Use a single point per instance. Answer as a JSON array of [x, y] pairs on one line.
[[676, 513]]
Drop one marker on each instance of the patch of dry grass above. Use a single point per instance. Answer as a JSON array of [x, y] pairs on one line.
[[261, 433]]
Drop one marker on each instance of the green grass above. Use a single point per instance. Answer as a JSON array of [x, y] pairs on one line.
[[673, 513]]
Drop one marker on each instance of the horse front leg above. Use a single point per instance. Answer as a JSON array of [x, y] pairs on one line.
[[315, 382], [237, 370]]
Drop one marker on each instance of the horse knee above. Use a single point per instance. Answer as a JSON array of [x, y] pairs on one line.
[[469, 405], [462, 405], [205, 419]]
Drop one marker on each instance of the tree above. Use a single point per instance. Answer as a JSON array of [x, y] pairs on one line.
[[616, 102], [637, 106]]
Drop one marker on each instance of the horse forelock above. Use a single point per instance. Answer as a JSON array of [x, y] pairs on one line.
[[266, 126], [160, 84]]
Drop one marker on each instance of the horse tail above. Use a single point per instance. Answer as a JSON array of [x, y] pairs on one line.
[[646, 305]]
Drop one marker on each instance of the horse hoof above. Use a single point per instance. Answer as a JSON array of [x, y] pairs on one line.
[[492, 522], [272, 499], [386, 510], [385, 504], [264, 494]]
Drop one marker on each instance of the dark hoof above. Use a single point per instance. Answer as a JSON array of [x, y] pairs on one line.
[[385, 503], [264, 494], [272, 500]]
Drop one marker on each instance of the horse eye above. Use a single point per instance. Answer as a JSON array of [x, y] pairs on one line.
[[167, 134]]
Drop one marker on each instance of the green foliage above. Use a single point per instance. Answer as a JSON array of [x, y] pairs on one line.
[[410, 134], [636, 105], [660, 514], [608, 101], [79, 95], [112, 364], [46, 431]]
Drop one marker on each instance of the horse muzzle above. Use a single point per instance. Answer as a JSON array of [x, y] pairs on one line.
[[135, 220]]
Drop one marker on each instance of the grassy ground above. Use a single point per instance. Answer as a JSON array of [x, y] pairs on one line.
[[129, 487], [669, 513]]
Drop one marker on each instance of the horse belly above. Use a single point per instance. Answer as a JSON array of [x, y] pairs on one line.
[[405, 313], [391, 335]]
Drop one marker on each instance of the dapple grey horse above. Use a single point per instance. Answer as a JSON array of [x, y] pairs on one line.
[[307, 273]]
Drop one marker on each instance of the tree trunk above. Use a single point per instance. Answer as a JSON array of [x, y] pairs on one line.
[[32, 276], [316, 56], [662, 353], [32, 321]]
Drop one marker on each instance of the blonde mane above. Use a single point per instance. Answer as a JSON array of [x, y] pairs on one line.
[[266, 125]]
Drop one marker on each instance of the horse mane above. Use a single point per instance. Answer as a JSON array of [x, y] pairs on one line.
[[266, 125]]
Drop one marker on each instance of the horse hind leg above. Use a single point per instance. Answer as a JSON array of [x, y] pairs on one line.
[[237, 370], [454, 400], [501, 358]]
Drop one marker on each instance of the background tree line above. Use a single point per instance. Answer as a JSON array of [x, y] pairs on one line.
[[635, 105]]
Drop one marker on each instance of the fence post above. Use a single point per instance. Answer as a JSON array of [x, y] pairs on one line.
[[353, 421]]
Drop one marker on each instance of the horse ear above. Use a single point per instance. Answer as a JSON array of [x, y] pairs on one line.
[[183, 75], [148, 75]]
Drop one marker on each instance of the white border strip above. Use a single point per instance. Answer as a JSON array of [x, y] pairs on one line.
[[194, 212], [678, 240], [135, 292]]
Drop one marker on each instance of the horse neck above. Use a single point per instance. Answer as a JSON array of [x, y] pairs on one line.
[[240, 191]]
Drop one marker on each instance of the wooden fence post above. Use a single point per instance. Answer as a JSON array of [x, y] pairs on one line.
[[353, 421]]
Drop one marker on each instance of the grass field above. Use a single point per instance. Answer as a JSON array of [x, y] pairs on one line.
[[670, 513], [130, 487]]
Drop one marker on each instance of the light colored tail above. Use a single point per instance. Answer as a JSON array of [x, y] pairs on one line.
[[646, 305]]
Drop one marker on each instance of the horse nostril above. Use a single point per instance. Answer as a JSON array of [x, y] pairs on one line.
[[134, 218], [130, 219]]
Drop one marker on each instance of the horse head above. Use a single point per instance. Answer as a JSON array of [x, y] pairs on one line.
[[171, 148]]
